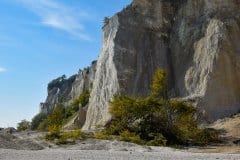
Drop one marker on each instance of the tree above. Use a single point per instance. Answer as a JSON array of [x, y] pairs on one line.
[[23, 125], [37, 120], [159, 84], [55, 120], [106, 20]]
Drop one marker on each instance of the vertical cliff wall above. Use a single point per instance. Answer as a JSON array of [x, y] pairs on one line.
[[64, 90], [195, 41], [134, 45], [203, 43]]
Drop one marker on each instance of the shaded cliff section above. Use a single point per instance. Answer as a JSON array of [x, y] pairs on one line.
[[195, 41], [63, 90]]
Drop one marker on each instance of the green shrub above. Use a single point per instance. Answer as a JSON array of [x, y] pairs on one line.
[[43, 126], [159, 140], [159, 84], [63, 140], [70, 137], [83, 99], [155, 119], [23, 125], [207, 136], [103, 135], [54, 121], [130, 137], [37, 120], [53, 134]]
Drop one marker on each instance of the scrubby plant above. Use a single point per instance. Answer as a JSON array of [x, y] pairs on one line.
[[43, 126], [82, 100], [23, 125], [70, 136], [54, 123], [37, 120], [103, 135], [156, 119], [55, 120], [159, 84], [157, 140], [130, 137]]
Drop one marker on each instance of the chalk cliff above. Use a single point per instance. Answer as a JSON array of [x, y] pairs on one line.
[[195, 41]]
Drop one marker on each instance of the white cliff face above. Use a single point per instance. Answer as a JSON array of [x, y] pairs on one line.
[[214, 75], [84, 81], [195, 41], [206, 56], [132, 51], [222, 94], [105, 85], [65, 90]]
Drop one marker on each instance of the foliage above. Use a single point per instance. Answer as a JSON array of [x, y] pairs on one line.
[[54, 121], [70, 137], [103, 135], [23, 125], [57, 82], [106, 20], [130, 137], [156, 119], [58, 116], [159, 84], [43, 126], [157, 140], [54, 133], [37, 120], [82, 100], [208, 135]]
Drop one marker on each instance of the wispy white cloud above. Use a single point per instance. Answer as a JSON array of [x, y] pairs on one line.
[[2, 69], [59, 16]]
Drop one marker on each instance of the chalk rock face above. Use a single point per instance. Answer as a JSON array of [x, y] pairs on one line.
[[134, 46], [195, 41], [84, 80], [63, 90], [205, 55], [58, 92]]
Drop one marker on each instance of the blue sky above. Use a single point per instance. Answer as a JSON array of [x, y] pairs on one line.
[[41, 40]]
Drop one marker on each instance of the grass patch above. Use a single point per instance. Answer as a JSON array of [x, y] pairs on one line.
[[65, 137]]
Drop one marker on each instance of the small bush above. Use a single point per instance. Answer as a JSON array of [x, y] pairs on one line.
[[53, 134], [207, 136], [103, 135], [155, 119], [70, 137], [37, 120], [43, 126], [130, 137], [55, 123], [23, 125], [76, 134], [83, 99], [158, 140]]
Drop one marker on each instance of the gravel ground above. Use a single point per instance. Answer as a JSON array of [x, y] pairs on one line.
[[27, 146], [61, 154]]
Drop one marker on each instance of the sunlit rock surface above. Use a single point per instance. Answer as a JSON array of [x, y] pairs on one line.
[[195, 41]]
